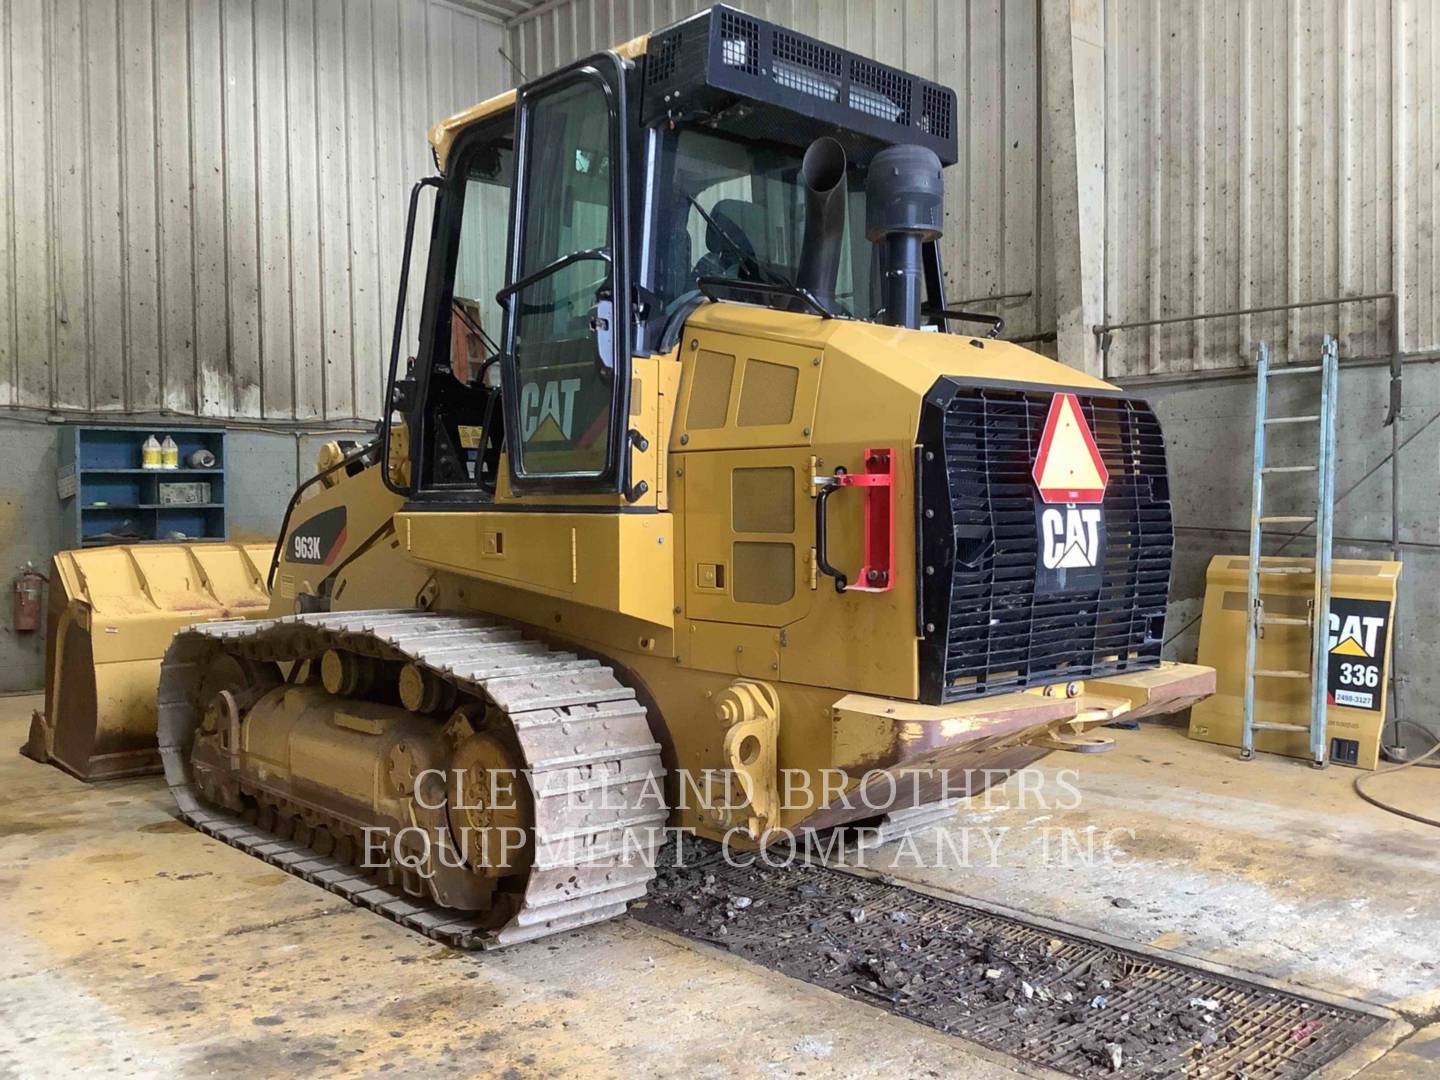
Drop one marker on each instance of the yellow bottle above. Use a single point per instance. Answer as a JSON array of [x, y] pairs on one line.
[[150, 453], [169, 454]]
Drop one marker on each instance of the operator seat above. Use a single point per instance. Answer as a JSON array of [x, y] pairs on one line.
[[743, 224]]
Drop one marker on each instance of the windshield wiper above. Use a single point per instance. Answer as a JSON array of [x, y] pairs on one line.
[[746, 258], [474, 327], [784, 288]]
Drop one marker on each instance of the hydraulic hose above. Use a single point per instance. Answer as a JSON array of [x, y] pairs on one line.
[[1361, 781]]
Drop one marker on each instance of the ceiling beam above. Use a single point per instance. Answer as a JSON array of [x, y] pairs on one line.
[[502, 11], [535, 10]]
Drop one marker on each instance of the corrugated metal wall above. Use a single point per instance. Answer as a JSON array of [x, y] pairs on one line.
[[1269, 151], [204, 200], [988, 50]]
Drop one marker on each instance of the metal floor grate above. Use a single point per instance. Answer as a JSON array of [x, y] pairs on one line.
[[1045, 997]]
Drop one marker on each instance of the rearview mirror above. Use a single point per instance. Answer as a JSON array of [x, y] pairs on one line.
[[602, 317]]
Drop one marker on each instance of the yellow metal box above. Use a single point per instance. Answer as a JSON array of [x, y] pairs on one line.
[[1362, 607]]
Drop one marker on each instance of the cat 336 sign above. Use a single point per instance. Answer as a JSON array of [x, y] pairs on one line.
[[1357, 634]]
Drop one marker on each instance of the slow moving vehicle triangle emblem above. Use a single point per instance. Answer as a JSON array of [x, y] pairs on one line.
[[1068, 467]]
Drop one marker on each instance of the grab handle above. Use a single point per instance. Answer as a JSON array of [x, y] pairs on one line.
[[877, 574]]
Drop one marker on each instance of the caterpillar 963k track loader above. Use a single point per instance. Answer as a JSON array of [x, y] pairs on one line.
[[694, 475]]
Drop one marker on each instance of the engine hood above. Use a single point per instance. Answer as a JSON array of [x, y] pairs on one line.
[[913, 358]]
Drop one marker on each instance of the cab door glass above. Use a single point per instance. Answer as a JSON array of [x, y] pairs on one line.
[[480, 262], [563, 320], [463, 370]]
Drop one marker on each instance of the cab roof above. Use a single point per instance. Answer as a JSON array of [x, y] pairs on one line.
[[716, 65]]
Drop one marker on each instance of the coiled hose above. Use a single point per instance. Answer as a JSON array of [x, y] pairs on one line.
[[1361, 781]]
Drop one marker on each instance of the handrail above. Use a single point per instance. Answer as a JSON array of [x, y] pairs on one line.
[[397, 338], [552, 267], [1102, 329], [995, 322]]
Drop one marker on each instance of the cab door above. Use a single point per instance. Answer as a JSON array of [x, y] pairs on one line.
[[568, 333]]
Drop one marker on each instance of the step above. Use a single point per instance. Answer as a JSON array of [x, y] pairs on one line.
[[1280, 673], [1289, 468], [1285, 570], [1287, 519], [1292, 419], [1280, 727], [1283, 620], [1306, 369]]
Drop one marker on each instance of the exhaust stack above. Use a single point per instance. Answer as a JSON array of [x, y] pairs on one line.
[[904, 208], [823, 173]]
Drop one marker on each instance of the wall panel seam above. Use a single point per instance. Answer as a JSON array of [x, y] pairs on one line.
[[52, 254], [89, 267], [197, 401]]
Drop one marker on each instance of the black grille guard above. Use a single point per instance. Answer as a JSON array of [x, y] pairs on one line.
[[985, 627]]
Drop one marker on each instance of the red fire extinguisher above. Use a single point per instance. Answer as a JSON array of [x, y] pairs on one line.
[[28, 586]]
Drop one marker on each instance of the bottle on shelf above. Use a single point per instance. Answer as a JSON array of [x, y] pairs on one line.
[[151, 453], [169, 454]]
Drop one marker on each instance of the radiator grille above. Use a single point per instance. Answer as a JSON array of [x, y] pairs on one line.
[[985, 629]]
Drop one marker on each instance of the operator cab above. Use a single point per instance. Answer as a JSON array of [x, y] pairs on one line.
[[727, 161]]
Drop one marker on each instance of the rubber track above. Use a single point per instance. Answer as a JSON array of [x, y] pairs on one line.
[[578, 727]]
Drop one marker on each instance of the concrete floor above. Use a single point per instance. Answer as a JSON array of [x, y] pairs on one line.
[[132, 946]]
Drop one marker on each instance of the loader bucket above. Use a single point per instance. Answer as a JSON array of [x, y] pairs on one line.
[[112, 613]]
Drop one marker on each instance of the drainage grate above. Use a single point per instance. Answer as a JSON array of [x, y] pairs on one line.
[[1048, 998]]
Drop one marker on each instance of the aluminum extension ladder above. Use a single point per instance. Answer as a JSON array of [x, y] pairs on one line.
[[1323, 520]]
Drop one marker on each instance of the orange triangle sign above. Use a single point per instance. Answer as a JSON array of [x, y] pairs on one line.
[[1068, 467]]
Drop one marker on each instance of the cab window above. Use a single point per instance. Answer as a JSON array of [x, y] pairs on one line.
[[565, 383], [736, 209], [462, 370], [480, 262]]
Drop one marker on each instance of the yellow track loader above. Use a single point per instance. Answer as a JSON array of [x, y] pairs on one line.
[[697, 507]]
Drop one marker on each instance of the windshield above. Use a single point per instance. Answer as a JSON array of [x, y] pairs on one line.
[[736, 210]]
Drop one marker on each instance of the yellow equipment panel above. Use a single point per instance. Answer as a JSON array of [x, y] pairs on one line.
[[1361, 623]]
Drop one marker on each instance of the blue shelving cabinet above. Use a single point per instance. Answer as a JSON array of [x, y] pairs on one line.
[[109, 498]]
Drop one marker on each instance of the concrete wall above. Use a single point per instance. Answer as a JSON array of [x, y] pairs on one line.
[[264, 466], [202, 203], [1209, 431]]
